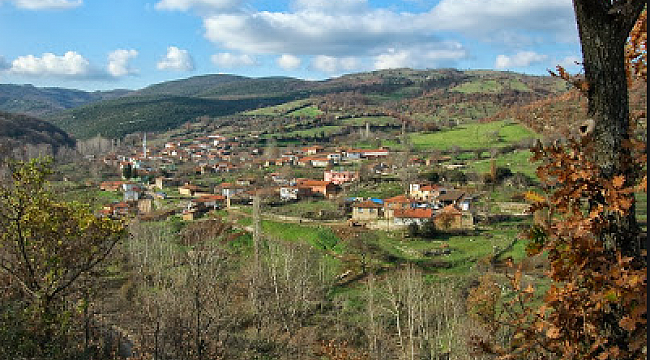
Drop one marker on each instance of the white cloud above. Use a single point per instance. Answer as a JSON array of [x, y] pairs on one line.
[[315, 33], [393, 59], [71, 64], [176, 59], [506, 18], [329, 6], [352, 28], [570, 62], [289, 62], [426, 56], [520, 59], [184, 5], [228, 60], [46, 4], [118, 62], [332, 64]]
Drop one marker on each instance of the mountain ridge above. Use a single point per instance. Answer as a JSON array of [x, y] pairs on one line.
[[431, 94], [42, 101], [21, 131]]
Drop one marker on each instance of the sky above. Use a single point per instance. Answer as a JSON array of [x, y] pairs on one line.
[[130, 44]]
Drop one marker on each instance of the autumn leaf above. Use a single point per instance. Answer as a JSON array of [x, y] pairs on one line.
[[627, 323], [534, 197], [553, 333], [618, 181]]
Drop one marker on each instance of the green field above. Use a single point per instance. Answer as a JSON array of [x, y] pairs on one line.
[[317, 236], [517, 161], [309, 111], [93, 196], [490, 86], [322, 130], [281, 109], [372, 120], [305, 208], [380, 190], [391, 248], [474, 136]]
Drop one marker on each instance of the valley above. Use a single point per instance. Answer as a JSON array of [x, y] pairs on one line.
[[279, 218]]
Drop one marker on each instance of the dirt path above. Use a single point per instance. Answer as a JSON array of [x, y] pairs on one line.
[[290, 219]]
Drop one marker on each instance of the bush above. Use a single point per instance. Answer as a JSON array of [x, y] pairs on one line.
[[413, 229], [428, 229]]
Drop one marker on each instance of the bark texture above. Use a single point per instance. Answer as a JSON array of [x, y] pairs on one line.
[[604, 27]]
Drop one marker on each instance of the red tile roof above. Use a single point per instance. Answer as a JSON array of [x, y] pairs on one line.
[[368, 204], [313, 182], [414, 213], [398, 199]]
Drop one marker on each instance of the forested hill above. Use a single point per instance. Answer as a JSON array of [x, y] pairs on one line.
[[118, 117], [193, 86], [36, 101], [20, 130], [426, 95]]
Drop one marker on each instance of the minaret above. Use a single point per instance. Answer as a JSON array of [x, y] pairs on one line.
[[144, 146]]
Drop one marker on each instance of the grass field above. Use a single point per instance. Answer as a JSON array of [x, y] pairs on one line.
[[303, 208], [381, 190], [327, 130], [93, 196], [278, 109], [490, 86], [391, 248], [474, 136], [320, 237], [517, 161], [372, 120], [309, 111]]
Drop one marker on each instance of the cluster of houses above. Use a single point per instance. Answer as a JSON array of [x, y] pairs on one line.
[[217, 153], [449, 209]]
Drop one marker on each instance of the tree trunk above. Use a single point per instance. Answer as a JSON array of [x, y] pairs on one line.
[[604, 29]]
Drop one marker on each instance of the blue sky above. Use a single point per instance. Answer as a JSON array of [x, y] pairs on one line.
[[100, 45]]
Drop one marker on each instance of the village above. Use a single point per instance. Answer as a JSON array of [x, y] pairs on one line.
[[222, 173]]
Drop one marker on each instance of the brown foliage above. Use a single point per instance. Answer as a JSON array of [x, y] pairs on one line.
[[636, 50], [340, 351], [593, 283]]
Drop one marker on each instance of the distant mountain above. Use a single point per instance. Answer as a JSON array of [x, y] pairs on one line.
[[19, 131], [428, 95], [31, 100], [193, 86], [118, 117]]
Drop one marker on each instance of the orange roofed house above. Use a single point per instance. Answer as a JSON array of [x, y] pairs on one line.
[[367, 211], [340, 177], [326, 188], [404, 217], [400, 202]]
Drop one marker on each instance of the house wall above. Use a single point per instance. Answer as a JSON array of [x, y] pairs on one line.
[[365, 214], [407, 221]]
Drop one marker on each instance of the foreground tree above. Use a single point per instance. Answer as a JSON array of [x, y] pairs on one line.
[[46, 248], [596, 307], [604, 27]]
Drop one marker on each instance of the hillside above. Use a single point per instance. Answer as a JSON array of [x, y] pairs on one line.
[[558, 115], [193, 86], [118, 117], [426, 96], [35, 101], [20, 130]]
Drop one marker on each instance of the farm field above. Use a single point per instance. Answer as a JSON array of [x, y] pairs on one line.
[[281, 109], [473, 136], [516, 161]]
